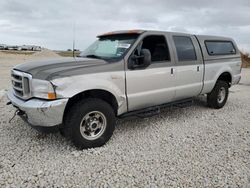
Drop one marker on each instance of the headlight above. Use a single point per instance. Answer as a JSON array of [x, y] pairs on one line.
[[42, 89]]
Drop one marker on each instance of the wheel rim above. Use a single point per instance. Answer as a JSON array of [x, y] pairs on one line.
[[93, 125], [221, 95]]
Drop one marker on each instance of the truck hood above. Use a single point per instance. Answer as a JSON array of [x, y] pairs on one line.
[[51, 68]]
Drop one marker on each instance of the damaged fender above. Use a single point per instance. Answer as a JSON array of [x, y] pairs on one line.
[[113, 82]]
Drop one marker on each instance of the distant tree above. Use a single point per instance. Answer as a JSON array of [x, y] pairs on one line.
[[69, 50]]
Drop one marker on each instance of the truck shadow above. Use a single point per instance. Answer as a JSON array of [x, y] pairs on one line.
[[173, 113]]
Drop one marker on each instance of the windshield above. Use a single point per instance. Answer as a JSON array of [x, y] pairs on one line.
[[110, 47]]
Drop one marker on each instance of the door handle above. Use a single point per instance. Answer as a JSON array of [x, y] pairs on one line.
[[172, 71], [198, 68]]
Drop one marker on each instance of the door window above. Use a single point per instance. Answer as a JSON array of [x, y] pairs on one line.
[[158, 48]]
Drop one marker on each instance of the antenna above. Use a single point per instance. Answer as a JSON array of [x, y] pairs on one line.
[[74, 35]]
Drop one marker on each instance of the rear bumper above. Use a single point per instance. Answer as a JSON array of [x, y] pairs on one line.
[[40, 112], [236, 79]]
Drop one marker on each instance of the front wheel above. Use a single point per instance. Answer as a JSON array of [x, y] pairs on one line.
[[89, 123], [218, 96]]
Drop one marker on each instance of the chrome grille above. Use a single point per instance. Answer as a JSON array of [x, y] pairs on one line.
[[21, 84]]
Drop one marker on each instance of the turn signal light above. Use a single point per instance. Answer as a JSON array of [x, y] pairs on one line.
[[51, 96]]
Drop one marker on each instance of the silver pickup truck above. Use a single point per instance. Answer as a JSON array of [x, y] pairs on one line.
[[134, 72]]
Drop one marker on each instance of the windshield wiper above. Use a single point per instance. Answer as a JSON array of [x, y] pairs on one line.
[[93, 56]]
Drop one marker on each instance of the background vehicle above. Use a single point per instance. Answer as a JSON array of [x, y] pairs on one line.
[[2, 46], [123, 73]]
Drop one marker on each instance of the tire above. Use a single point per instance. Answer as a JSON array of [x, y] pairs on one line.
[[218, 96], [89, 123]]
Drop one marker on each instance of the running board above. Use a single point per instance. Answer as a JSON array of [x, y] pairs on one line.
[[184, 104], [155, 110]]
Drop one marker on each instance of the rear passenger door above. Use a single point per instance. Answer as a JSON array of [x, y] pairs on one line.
[[189, 66]]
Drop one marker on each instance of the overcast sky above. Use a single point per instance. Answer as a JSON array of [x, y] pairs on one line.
[[50, 23]]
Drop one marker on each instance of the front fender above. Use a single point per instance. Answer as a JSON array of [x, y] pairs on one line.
[[113, 82]]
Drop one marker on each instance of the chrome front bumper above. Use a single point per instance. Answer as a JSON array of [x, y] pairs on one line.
[[40, 112]]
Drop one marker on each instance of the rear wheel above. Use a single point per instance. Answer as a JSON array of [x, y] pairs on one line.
[[218, 96], [89, 123]]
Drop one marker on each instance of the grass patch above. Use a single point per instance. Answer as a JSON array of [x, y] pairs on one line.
[[67, 53], [245, 60], [15, 52]]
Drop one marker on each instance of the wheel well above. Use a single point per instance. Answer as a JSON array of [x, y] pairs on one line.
[[226, 76], [96, 93]]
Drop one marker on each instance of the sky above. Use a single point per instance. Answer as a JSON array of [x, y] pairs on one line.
[[51, 23]]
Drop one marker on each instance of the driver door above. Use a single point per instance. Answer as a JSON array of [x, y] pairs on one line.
[[155, 84]]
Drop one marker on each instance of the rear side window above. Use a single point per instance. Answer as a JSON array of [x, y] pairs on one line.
[[185, 48], [220, 47]]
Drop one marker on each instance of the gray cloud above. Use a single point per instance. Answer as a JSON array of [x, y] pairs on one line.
[[50, 23]]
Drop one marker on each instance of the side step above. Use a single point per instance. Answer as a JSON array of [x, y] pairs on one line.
[[149, 112], [155, 110], [184, 104]]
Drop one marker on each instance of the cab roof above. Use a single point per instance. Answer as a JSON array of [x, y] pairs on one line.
[[140, 31], [201, 39]]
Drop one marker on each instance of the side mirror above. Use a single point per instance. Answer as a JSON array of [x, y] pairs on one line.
[[141, 61], [146, 55]]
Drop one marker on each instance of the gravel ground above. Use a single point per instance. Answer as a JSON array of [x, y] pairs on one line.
[[194, 146]]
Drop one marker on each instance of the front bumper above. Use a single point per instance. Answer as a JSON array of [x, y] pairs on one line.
[[40, 112]]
